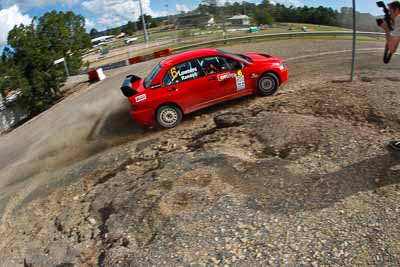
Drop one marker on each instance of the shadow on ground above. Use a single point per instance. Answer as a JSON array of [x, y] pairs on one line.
[[274, 189]]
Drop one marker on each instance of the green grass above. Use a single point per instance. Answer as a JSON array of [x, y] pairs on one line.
[[115, 44]]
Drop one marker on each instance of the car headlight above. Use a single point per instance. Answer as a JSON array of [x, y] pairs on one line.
[[282, 66]]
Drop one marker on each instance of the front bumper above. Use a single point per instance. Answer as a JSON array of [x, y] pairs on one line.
[[284, 75]]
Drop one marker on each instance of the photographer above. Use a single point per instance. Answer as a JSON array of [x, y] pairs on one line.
[[392, 42], [393, 37]]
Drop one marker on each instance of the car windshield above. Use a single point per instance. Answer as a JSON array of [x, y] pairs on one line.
[[149, 79], [243, 57]]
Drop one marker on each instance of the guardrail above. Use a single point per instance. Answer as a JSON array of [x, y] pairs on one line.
[[279, 35]]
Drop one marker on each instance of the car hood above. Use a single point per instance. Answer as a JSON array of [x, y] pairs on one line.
[[258, 58]]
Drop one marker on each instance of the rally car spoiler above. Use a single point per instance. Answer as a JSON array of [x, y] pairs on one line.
[[126, 87]]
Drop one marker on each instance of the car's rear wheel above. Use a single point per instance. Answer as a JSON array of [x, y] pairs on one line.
[[168, 116], [268, 84]]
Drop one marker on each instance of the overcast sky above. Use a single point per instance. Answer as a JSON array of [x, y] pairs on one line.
[[102, 14]]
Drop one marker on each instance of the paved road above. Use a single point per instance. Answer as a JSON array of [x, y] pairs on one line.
[[98, 118]]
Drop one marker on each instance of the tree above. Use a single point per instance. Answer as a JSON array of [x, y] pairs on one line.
[[209, 6], [94, 32], [262, 17], [150, 22], [267, 4], [130, 28], [35, 47], [114, 31]]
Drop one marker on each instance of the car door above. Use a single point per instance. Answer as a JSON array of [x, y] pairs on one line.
[[217, 75], [227, 74], [183, 84], [240, 83]]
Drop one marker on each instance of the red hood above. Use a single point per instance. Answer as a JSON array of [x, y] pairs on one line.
[[263, 58]]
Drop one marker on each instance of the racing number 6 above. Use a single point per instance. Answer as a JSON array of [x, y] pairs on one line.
[[174, 73]]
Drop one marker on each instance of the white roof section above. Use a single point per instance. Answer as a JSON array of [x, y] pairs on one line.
[[122, 34], [240, 17], [102, 38]]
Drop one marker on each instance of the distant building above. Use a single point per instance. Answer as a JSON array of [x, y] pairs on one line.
[[194, 21], [121, 35], [240, 20], [130, 40], [102, 39]]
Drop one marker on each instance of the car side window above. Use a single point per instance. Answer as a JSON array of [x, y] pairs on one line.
[[186, 71], [233, 64], [216, 64]]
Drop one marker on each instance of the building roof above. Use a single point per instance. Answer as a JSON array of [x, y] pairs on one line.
[[102, 38], [239, 17]]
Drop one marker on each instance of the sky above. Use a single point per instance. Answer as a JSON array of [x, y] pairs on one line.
[[103, 14]]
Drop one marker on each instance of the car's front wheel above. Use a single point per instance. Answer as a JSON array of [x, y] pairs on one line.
[[268, 84], [168, 116]]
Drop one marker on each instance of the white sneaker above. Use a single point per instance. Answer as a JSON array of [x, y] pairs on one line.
[[395, 145]]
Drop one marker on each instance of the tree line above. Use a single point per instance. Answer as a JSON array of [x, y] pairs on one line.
[[268, 13], [129, 28]]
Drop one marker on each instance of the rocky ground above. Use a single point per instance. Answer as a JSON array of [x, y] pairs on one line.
[[299, 179]]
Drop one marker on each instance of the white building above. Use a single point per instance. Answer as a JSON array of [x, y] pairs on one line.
[[240, 20], [102, 39]]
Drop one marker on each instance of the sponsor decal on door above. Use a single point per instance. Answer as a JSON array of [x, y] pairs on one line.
[[240, 82]]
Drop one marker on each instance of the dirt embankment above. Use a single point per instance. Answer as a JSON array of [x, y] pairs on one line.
[[302, 178]]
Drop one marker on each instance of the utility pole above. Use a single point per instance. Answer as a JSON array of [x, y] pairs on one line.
[[146, 37], [353, 61], [167, 7], [222, 15], [66, 68]]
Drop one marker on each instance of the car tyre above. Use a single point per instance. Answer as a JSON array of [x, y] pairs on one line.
[[268, 84], [168, 116]]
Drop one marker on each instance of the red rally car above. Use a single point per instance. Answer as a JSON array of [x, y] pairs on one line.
[[197, 79]]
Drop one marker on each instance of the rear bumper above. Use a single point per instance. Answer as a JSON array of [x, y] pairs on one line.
[[143, 117]]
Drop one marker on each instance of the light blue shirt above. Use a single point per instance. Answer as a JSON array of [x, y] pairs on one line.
[[396, 31]]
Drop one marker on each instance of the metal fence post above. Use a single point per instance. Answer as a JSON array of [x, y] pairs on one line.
[[353, 60]]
